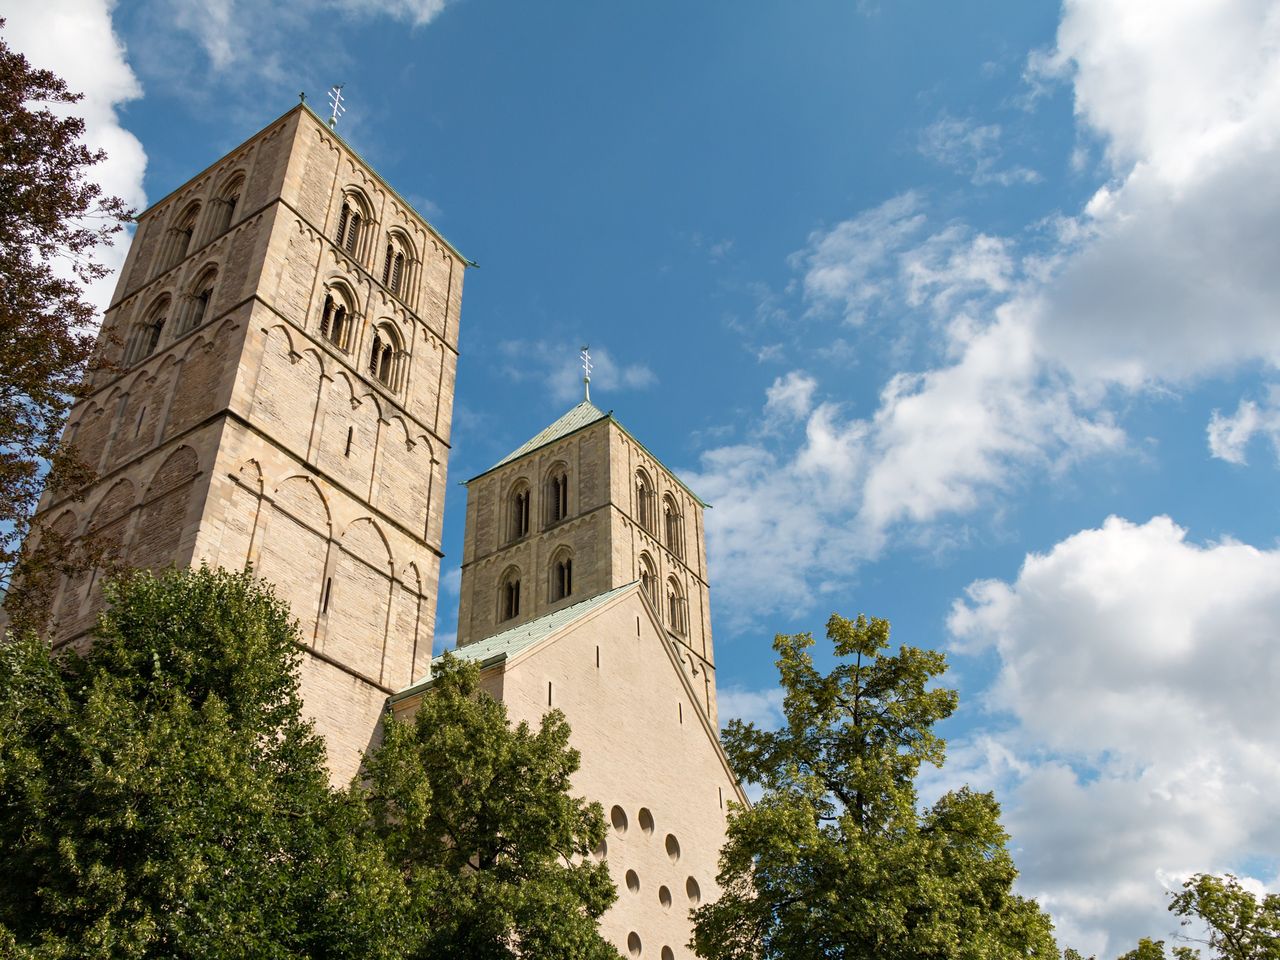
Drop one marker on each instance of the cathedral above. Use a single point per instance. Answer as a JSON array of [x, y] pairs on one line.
[[274, 386]]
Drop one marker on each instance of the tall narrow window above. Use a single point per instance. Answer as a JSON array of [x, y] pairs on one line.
[[518, 505], [180, 235], [386, 264], [561, 576], [557, 494], [509, 595], [649, 580], [644, 501], [674, 527], [677, 611], [196, 310], [397, 271], [382, 357], [224, 208], [349, 222], [146, 335], [334, 321]]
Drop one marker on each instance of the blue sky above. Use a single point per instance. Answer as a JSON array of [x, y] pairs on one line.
[[960, 314]]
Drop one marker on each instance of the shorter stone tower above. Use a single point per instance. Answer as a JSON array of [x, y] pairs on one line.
[[276, 389], [578, 510]]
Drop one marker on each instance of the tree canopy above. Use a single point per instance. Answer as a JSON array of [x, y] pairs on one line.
[[163, 796], [837, 859], [1220, 914], [53, 218]]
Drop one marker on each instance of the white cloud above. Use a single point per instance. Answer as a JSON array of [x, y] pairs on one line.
[[761, 707], [790, 397], [74, 39], [559, 368], [973, 150], [1229, 436], [1140, 669]]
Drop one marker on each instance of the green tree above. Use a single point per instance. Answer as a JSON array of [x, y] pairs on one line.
[[52, 220], [1223, 916], [836, 859], [164, 797], [479, 818]]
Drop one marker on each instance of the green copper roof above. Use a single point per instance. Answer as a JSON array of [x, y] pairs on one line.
[[583, 415], [580, 416], [508, 643]]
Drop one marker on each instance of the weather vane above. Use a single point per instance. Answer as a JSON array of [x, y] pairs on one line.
[[335, 98], [586, 372]]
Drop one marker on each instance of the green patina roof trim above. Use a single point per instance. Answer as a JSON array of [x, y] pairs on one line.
[[508, 643], [578, 418]]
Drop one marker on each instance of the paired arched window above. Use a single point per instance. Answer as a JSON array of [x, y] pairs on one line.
[[677, 608], [518, 511], [646, 506], [384, 355], [509, 595], [673, 526], [561, 574], [196, 309], [181, 233], [649, 580], [351, 221], [335, 319], [224, 210], [146, 335], [557, 487]]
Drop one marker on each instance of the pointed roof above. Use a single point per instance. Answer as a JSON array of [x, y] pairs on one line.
[[504, 645], [583, 415]]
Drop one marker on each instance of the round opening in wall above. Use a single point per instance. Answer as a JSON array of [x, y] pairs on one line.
[[673, 847], [664, 898], [633, 881], [646, 821], [602, 851], [694, 892], [619, 818], [667, 954], [633, 943]]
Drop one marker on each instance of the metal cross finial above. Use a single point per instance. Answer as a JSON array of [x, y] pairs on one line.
[[335, 98], [586, 372]]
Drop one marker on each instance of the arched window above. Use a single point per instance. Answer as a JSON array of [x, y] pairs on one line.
[[335, 319], [557, 494], [384, 357], [146, 335], [673, 526], [561, 575], [645, 501], [509, 595], [351, 221], [649, 580], [518, 511], [393, 267], [677, 608], [224, 210], [181, 233], [196, 309]]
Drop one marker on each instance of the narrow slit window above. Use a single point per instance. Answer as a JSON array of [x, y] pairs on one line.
[[351, 432]]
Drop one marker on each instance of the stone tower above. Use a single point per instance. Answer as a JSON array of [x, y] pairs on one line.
[[578, 510], [276, 389], [584, 589]]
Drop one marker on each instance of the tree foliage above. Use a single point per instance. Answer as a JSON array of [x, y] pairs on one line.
[[52, 220], [836, 859], [1220, 914], [479, 819], [163, 796]]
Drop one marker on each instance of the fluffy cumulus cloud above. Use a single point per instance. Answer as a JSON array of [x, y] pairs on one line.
[[1021, 346], [1140, 671], [74, 39]]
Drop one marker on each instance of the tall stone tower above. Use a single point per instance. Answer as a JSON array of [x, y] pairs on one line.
[[277, 390], [578, 510], [584, 589]]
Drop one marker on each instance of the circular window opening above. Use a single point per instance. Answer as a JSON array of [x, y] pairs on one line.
[[667, 954], [692, 889], [602, 851], [664, 898], [633, 881], [633, 943], [619, 818], [673, 847], [646, 821]]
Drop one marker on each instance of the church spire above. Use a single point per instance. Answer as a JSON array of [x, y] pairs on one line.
[[586, 372]]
